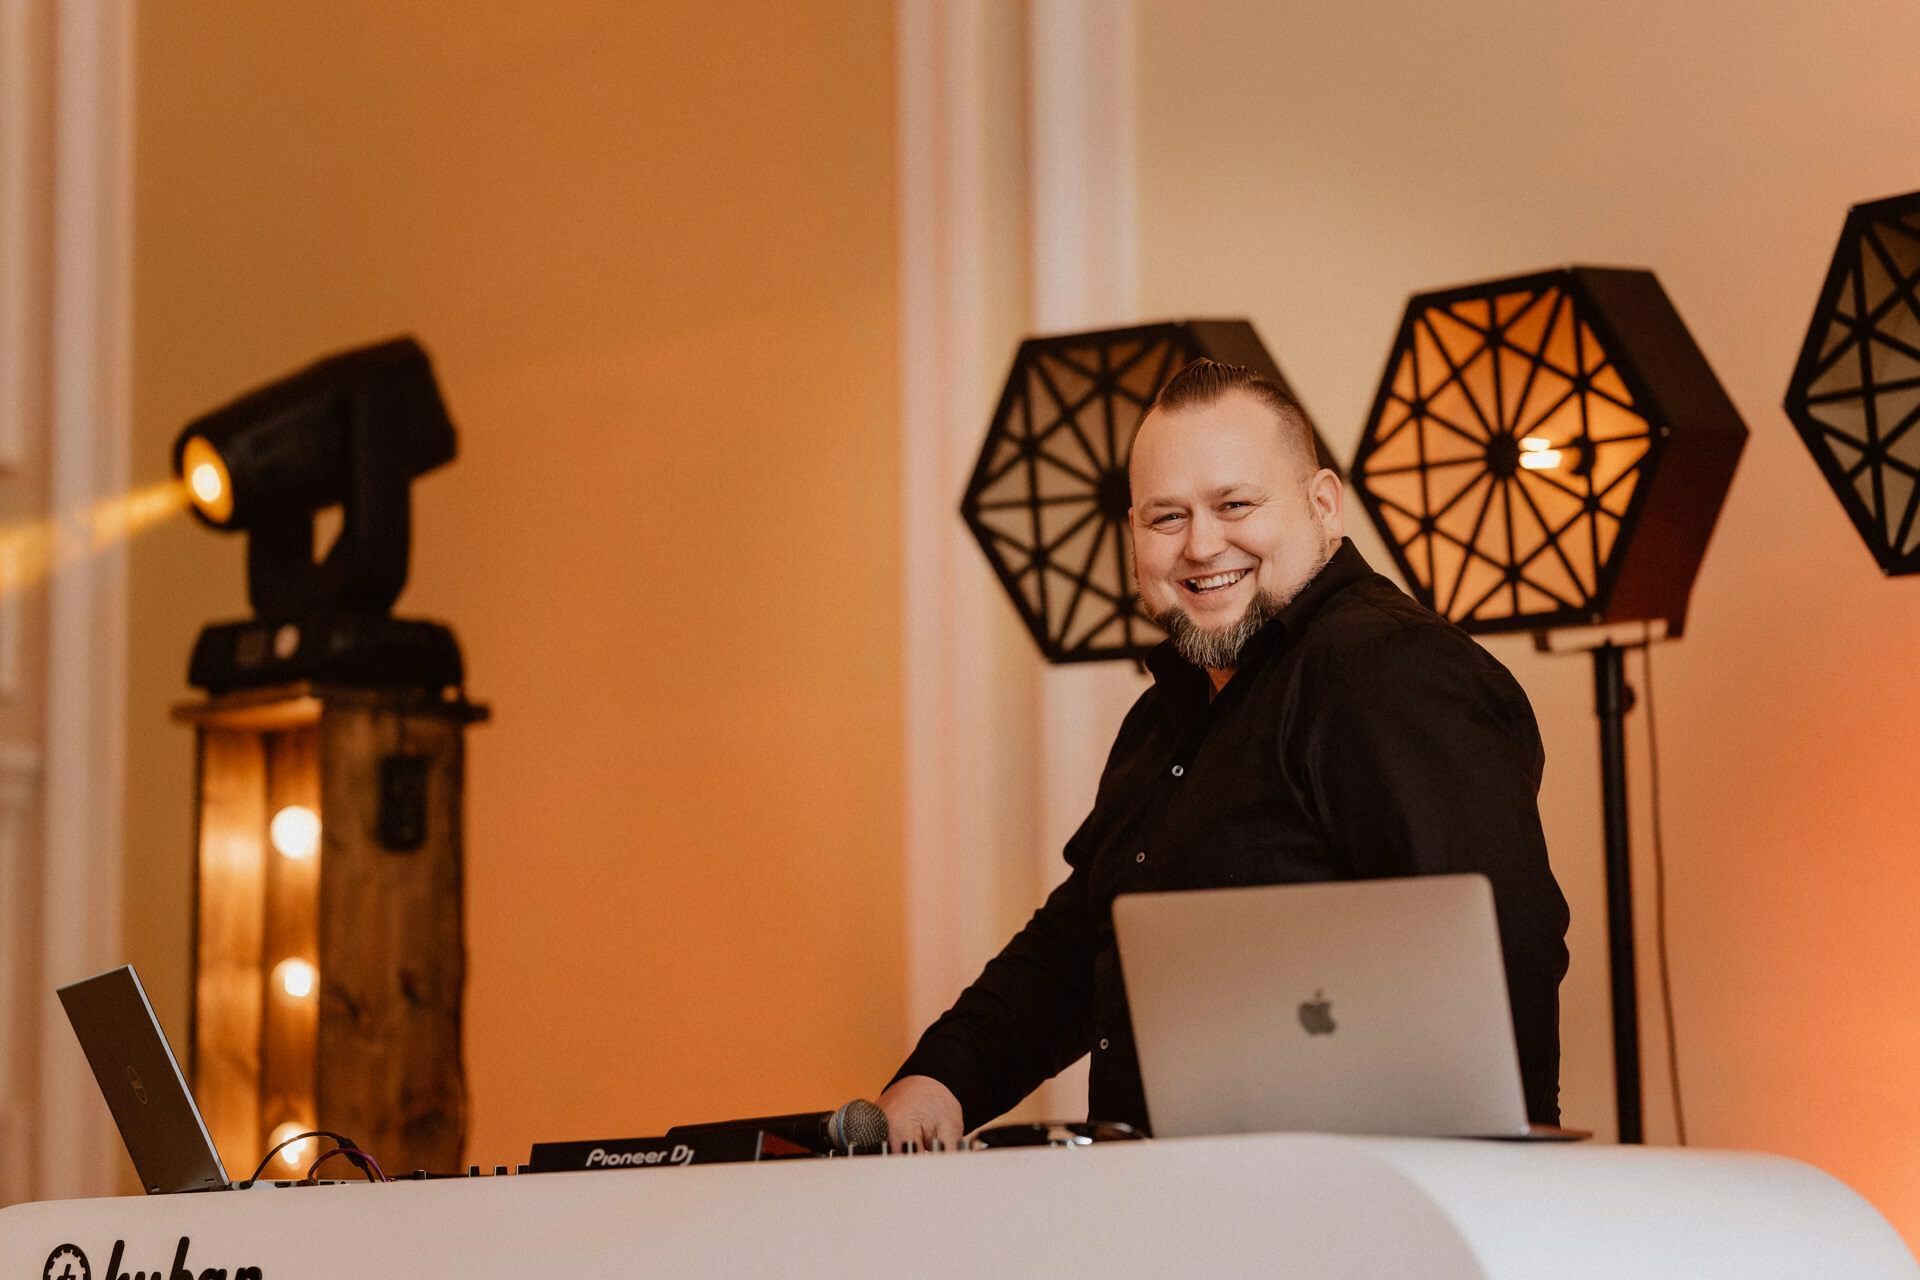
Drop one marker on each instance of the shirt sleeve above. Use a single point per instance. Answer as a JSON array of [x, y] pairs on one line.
[[1422, 757], [1028, 1015]]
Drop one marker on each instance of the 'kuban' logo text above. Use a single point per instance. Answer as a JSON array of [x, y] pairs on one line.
[[69, 1263]]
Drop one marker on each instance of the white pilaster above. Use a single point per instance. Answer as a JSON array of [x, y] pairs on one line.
[[1083, 263], [968, 710], [86, 668]]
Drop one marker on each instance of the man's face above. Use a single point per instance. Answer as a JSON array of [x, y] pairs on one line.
[[1226, 517]]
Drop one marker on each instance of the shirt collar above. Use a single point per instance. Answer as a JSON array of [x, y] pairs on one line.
[[1343, 568]]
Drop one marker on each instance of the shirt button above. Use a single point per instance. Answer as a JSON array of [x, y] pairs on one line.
[[1178, 770], [1141, 856], [1103, 1042]]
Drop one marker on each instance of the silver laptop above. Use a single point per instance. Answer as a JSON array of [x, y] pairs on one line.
[[151, 1104], [1373, 1007]]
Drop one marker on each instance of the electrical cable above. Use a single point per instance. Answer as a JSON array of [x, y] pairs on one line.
[[352, 1149], [359, 1158], [1660, 894]]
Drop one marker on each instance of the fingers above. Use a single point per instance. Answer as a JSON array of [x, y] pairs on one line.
[[917, 1135]]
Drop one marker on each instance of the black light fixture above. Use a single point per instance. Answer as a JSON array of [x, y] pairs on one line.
[[354, 431], [1549, 452], [1049, 496], [1855, 393]]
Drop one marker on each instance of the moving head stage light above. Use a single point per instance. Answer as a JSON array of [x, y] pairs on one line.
[[1049, 496], [354, 431]]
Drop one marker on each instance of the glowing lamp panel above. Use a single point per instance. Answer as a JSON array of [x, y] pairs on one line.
[[1504, 454]]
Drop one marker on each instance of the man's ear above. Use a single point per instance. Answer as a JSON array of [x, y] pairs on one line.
[[1328, 497]]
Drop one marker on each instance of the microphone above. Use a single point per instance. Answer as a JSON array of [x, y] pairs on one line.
[[858, 1128]]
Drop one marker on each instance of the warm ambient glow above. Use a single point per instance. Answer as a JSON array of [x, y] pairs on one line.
[[296, 977], [295, 1155], [207, 481], [295, 832]]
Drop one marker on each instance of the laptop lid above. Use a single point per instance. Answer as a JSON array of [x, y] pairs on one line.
[[1368, 1007], [137, 1073]]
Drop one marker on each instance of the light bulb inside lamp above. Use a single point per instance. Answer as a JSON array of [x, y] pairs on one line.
[[207, 480], [1538, 454], [295, 832], [296, 977], [294, 1155]]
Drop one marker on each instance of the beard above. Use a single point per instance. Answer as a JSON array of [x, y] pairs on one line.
[[1219, 648]]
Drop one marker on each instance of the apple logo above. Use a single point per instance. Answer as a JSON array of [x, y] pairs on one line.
[[1316, 1015]]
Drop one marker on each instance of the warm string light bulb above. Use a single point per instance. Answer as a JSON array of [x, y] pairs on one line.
[[295, 1154], [295, 832], [296, 977]]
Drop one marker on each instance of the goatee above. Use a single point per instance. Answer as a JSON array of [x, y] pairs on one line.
[[1218, 648]]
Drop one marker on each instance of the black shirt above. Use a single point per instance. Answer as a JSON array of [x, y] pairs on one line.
[[1362, 736]]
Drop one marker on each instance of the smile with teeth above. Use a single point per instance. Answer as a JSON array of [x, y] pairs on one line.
[[1214, 582]]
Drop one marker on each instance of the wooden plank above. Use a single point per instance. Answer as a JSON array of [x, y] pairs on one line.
[[230, 867], [392, 947]]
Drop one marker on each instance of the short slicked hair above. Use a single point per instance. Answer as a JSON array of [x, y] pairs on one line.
[[1206, 382]]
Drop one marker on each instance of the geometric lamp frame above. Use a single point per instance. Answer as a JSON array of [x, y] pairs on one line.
[[1049, 495], [1855, 393], [1548, 450]]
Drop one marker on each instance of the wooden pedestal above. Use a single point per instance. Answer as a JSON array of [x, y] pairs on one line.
[[374, 1050]]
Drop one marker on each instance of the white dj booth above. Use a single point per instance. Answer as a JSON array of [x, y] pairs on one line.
[[1268, 1205]]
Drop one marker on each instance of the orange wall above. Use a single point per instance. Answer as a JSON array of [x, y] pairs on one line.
[[651, 248], [1311, 166]]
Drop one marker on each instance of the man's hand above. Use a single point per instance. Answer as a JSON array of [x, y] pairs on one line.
[[922, 1110]]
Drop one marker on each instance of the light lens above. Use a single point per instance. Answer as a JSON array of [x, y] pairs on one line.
[[294, 1156], [295, 832], [207, 480], [295, 977]]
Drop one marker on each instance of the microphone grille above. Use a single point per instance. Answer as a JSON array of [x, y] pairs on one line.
[[862, 1126]]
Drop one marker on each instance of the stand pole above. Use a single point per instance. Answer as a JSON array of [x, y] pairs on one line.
[[1612, 699]]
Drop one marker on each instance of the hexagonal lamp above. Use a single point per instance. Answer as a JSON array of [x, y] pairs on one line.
[[1551, 451], [1049, 496], [1855, 393], [1548, 450]]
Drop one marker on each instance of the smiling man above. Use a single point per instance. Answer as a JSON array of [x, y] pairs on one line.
[[1307, 721]]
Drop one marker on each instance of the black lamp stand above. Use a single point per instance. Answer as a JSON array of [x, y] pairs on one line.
[[1613, 698]]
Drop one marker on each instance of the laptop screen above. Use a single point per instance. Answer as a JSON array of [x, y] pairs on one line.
[[141, 1081]]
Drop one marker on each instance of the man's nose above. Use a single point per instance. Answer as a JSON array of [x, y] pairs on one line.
[[1205, 538]]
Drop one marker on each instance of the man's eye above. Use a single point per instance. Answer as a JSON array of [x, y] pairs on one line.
[[1162, 521]]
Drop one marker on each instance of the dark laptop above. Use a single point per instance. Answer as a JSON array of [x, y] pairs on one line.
[[148, 1096]]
